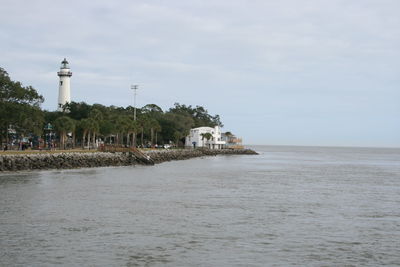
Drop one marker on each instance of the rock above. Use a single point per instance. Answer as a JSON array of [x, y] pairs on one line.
[[100, 159]]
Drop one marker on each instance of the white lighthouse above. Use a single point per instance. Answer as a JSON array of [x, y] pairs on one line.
[[64, 91]]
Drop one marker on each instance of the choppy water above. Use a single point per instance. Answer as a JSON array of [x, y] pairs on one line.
[[289, 206]]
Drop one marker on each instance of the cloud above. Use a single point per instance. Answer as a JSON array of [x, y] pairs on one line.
[[269, 59]]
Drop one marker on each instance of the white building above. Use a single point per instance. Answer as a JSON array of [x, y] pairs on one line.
[[196, 138], [64, 91]]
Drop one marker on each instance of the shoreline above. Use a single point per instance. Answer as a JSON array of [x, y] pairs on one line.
[[74, 160]]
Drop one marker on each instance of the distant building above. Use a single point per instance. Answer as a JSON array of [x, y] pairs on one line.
[[231, 141], [64, 91], [197, 138]]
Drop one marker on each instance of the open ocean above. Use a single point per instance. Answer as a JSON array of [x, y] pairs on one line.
[[288, 206]]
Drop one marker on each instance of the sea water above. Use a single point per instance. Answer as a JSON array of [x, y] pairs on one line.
[[288, 206]]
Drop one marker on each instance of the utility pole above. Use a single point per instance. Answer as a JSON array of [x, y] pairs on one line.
[[134, 88]]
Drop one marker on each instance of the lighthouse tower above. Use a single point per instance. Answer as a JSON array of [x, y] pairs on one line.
[[64, 91]]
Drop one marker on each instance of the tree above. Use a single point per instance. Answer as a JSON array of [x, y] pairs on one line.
[[229, 134], [172, 123], [64, 125], [89, 127], [151, 109], [19, 108], [96, 116], [106, 129], [133, 130], [143, 122], [77, 111], [154, 128], [177, 137], [207, 136], [123, 123], [157, 129], [199, 115], [20, 111]]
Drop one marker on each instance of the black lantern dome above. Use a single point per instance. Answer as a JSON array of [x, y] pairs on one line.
[[64, 64]]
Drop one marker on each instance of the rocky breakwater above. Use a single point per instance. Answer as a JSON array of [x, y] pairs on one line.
[[159, 156], [20, 162]]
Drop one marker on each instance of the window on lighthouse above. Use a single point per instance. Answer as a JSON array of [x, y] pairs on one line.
[[61, 82]]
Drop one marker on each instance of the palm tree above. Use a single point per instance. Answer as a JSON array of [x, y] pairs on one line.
[[143, 122], [90, 128], [96, 116], [93, 130], [154, 127], [157, 128], [136, 128], [122, 127], [177, 136], [64, 125], [207, 136], [107, 129], [83, 124], [132, 127]]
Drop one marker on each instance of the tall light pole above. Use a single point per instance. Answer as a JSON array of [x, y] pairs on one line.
[[134, 88]]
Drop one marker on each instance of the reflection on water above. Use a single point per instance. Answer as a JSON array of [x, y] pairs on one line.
[[286, 206], [11, 179]]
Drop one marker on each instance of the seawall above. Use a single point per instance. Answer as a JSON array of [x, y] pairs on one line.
[[69, 160]]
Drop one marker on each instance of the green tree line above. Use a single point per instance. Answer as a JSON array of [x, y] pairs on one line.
[[81, 124]]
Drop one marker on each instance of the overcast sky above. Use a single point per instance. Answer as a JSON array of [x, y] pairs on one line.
[[290, 72]]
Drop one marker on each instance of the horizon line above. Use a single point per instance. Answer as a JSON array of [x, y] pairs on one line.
[[327, 146]]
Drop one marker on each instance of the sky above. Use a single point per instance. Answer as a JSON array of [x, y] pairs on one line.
[[288, 72]]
